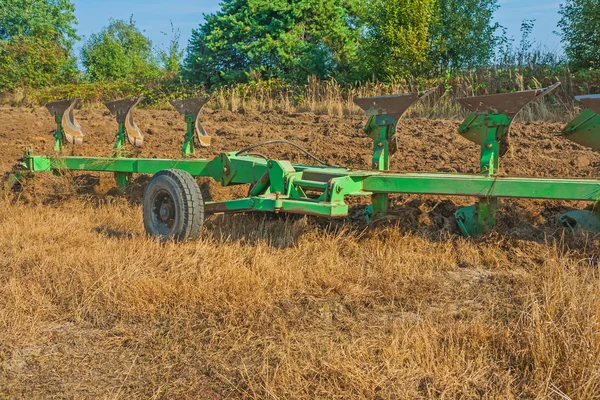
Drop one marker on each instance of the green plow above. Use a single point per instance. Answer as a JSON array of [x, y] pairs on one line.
[[173, 207]]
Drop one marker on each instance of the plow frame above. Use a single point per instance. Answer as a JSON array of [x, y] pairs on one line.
[[280, 186]]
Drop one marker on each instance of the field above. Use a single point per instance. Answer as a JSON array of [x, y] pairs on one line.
[[272, 307]]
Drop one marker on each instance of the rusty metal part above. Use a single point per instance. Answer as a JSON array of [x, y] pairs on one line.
[[123, 110], [72, 130], [591, 101], [506, 103], [193, 107], [394, 105]]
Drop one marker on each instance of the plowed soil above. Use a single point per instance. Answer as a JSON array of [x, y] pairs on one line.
[[537, 150]]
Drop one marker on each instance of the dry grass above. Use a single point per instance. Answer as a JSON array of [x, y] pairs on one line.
[[258, 308], [333, 98]]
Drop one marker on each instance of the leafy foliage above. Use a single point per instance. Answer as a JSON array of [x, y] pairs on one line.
[[34, 62], [397, 38], [119, 51], [580, 26], [292, 39], [463, 35], [50, 19], [36, 39]]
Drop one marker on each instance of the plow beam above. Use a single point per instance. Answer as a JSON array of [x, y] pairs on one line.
[[67, 128], [384, 113], [123, 111], [190, 109]]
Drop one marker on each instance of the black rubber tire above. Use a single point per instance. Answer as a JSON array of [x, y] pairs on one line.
[[173, 206]]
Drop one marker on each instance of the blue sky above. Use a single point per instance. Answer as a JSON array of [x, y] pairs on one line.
[[154, 16]]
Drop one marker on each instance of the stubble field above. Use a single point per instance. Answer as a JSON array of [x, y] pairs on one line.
[[264, 307]]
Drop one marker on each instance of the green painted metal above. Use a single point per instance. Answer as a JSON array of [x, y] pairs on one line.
[[67, 129], [581, 220], [283, 180], [490, 132], [189, 147], [488, 126], [477, 219], [381, 128], [195, 134], [59, 135], [120, 141], [584, 129]]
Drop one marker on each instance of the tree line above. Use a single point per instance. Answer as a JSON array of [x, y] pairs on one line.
[[345, 40]]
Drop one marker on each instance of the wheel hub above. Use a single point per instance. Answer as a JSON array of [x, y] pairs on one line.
[[165, 212]]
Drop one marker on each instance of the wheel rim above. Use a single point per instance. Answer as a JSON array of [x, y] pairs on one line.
[[163, 212]]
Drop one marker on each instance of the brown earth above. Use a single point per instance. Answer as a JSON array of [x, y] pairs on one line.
[[300, 307], [425, 145]]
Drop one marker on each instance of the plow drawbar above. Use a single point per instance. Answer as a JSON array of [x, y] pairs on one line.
[[173, 206]]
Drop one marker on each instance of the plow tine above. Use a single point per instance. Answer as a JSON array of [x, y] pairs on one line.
[[123, 110], [190, 108], [394, 105], [62, 110], [508, 104]]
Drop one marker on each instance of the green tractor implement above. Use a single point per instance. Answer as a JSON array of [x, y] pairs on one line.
[[173, 207]]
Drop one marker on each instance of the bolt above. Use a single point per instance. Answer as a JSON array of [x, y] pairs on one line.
[[270, 164], [380, 144], [488, 146], [338, 189], [226, 170]]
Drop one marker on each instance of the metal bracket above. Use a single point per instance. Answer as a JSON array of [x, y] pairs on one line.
[[585, 128], [68, 129], [123, 111], [190, 109], [489, 123], [384, 113], [581, 220]]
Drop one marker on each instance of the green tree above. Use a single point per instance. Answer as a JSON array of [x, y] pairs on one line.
[[119, 51], [580, 32], [397, 37], [463, 34], [289, 39], [51, 19], [36, 39], [172, 56]]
